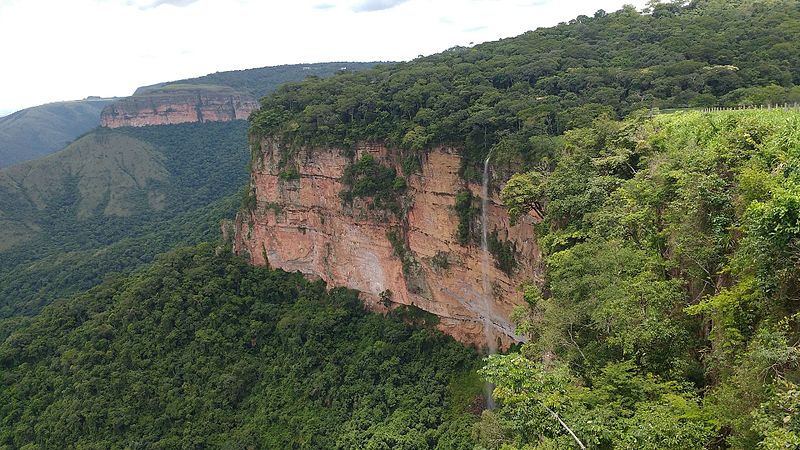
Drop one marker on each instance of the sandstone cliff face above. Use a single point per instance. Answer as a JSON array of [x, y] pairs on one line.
[[302, 225], [177, 107]]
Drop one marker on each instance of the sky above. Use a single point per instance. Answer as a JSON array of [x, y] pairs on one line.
[[54, 50]]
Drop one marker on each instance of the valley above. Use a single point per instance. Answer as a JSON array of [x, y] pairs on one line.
[[583, 236]]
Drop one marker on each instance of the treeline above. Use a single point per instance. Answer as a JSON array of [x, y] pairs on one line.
[[263, 80], [513, 96]]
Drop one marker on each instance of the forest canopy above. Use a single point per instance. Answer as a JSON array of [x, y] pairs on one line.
[[511, 95], [201, 349], [668, 316], [672, 294]]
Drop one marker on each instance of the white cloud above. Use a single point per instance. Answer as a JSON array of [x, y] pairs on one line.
[[57, 50], [155, 3], [376, 5], [324, 6]]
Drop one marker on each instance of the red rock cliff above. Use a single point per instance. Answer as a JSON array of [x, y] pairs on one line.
[[173, 107], [302, 224]]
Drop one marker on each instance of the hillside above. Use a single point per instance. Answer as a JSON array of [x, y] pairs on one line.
[[109, 186], [202, 350], [121, 174], [29, 282], [35, 132], [672, 247]]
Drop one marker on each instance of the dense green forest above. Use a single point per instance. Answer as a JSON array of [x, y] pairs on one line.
[[27, 286], [193, 171], [671, 313], [515, 95], [201, 350]]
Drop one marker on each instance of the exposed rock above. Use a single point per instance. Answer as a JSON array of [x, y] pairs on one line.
[[302, 225], [178, 106]]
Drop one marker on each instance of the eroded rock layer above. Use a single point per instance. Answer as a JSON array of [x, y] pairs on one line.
[[302, 224], [176, 107]]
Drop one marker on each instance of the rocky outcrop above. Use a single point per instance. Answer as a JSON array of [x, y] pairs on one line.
[[301, 224], [178, 106]]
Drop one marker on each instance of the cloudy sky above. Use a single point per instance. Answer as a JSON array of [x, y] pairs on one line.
[[56, 50]]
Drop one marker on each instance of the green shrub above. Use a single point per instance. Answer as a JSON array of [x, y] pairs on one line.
[[441, 260], [466, 211], [504, 252], [289, 173], [367, 178]]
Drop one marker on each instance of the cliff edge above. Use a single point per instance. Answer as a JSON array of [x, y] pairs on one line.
[[179, 105], [300, 223]]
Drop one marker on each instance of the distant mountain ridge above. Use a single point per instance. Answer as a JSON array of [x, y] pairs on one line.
[[35, 132], [261, 81], [217, 97]]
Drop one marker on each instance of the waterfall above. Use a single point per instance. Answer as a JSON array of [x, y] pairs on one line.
[[491, 344]]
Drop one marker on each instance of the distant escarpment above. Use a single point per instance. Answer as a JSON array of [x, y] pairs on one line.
[[355, 219], [177, 104]]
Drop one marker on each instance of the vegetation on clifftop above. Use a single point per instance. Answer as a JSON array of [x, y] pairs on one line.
[[262, 80], [512, 95]]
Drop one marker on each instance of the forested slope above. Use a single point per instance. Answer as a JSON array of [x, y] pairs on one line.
[[34, 132], [63, 214], [672, 302], [202, 350], [27, 284]]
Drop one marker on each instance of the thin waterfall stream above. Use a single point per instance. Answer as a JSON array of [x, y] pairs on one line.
[[491, 344]]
